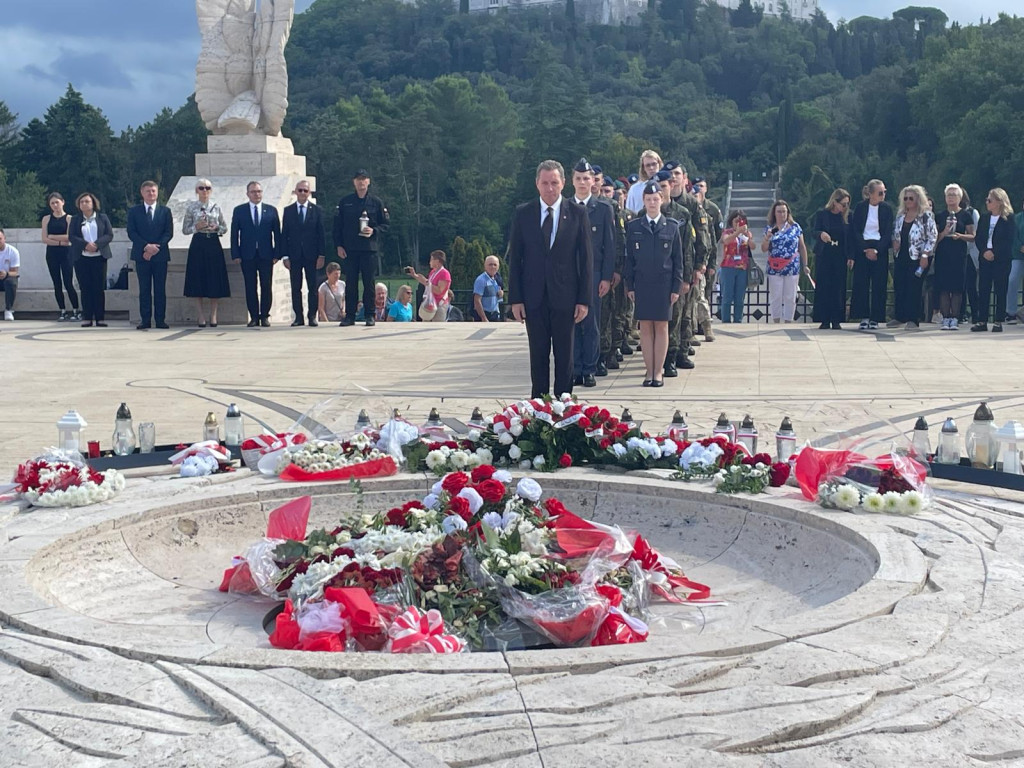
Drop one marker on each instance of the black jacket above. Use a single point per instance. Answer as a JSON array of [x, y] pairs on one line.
[[104, 236], [1002, 238], [346, 222], [602, 235], [302, 242], [860, 218]]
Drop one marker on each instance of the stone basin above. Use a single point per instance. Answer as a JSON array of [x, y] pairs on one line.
[[146, 583]]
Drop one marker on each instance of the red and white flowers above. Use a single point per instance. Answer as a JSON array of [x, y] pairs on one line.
[[59, 481]]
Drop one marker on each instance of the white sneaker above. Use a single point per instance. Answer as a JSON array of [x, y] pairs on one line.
[[953, 324], [8, 315], [938, 318], [863, 325]]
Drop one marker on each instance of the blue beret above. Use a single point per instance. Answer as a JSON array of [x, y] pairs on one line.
[[598, 171], [663, 175], [607, 181], [633, 178]]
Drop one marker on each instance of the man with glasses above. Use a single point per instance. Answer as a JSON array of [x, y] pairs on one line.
[[871, 227], [303, 245]]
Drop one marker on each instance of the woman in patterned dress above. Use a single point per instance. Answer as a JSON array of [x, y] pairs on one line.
[[206, 273], [784, 243]]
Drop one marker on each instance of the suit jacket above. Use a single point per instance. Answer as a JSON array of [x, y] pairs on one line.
[[1002, 237], [602, 235], [247, 241], [104, 236], [302, 242], [560, 276], [142, 231], [859, 218]]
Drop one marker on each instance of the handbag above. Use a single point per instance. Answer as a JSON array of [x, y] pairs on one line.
[[755, 275], [428, 307]]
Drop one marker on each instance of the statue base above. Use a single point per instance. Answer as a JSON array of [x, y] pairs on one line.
[[230, 164]]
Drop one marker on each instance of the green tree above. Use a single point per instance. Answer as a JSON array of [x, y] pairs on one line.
[[21, 199]]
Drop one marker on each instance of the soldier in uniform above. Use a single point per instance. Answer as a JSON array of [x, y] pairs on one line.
[[677, 356], [701, 247], [613, 302], [700, 191], [358, 223], [587, 346]]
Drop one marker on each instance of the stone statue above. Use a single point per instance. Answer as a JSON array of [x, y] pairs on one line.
[[241, 77]]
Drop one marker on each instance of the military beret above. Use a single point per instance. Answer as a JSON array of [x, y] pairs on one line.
[[697, 180], [607, 182], [662, 175], [671, 165], [652, 188], [633, 178], [598, 171]]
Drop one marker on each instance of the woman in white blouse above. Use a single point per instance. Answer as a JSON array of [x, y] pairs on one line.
[[90, 234], [206, 273]]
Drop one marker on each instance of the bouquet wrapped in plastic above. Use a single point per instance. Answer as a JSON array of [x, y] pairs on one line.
[[893, 483]]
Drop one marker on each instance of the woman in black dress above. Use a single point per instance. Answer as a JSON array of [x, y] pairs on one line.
[[206, 273], [956, 231], [653, 275], [833, 256], [58, 255]]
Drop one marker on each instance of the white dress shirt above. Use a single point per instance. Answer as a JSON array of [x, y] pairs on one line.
[[556, 209]]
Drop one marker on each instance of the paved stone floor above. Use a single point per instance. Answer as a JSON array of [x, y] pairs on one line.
[[923, 664]]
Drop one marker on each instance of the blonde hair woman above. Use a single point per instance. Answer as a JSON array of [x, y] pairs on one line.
[[913, 241], [833, 256], [995, 244], [955, 226], [206, 272], [650, 164], [784, 243]]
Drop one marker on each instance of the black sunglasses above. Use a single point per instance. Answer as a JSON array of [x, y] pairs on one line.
[[206, 188], [908, 199]]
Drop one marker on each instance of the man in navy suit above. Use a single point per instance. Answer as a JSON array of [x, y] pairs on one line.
[[255, 238], [150, 228], [303, 244], [550, 277]]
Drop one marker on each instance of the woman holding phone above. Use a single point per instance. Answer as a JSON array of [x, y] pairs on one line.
[[434, 308], [732, 272]]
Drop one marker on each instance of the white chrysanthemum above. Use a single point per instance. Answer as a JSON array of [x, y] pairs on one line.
[[873, 502], [619, 450], [459, 459], [718, 479], [893, 503], [847, 497], [485, 455], [913, 502], [474, 435]]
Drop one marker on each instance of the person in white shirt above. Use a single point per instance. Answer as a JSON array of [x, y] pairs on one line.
[[871, 231], [10, 261], [650, 164]]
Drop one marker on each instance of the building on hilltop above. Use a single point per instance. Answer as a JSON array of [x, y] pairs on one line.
[[593, 11], [798, 9]]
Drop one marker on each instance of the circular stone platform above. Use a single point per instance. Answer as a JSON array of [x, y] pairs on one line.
[[841, 630]]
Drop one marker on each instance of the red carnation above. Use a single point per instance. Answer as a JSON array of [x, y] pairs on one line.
[[779, 474], [591, 412], [490, 490], [612, 422], [606, 443], [460, 506], [451, 444], [565, 461], [411, 505], [483, 472], [603, 415], [455, 482], [749, 461], [763, 458], [585, 423], [554, 507], [396, 517]]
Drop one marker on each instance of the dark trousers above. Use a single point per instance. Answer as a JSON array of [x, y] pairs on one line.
[[992, 274], [548, 328], [60, 270], [830, 294], [870, 280], [970, 288], [295, 275], [92, 276], [587, 343], [258, 302], [10, 288], [355, 265], [906, 289], [152, 277]]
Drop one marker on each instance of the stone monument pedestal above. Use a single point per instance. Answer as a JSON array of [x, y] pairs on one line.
[[230, 163]]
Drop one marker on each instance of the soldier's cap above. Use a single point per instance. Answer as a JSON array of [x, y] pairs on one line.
[[696, 181], [633, 178], [671, 165], [361, 174], [583, 166], [598, 171], [662, 175], [652, 188], [619, 184], [607, 182]]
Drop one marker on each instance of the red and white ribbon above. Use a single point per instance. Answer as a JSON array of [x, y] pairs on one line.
[[414, 631], [205, 448]]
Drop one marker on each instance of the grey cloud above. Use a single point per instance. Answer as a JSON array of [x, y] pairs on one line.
[[82, 69]]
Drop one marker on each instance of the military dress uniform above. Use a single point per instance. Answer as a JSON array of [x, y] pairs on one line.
[[653, 267], [701, 248], [360, 252]]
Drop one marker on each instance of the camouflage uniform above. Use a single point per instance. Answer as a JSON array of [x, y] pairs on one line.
[[676, 211], [702, 249], [623, 326], [613, 302], [715, 225]]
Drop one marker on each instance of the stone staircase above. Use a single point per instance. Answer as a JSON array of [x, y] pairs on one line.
[[755, 198]]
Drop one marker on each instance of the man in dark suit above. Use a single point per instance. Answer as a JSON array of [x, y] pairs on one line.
[[255, 237], [550, 277], [303, 244], [150, 228], [587, 342]]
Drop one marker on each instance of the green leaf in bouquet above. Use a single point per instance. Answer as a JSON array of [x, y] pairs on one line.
[[289, 551]]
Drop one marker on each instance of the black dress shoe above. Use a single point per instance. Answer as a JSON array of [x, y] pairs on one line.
[[626, 349], [577, 381], [657, 383], [163, 326], [670, 370], [142, 327], [685, 363], [253, 324], [370, 322], [647, 383], [611, 364], [823, 327], [589, 380], [618, 356], [297, 322], [313, 323], [347, 322], [979, 327], [836, 327], [997, 327], [264, 322], [602, 369], [100, 324], [87, 324], [691, 352]]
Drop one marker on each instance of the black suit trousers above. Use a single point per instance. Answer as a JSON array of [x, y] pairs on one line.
[[258, 302], [870, 284], [298, 271], [152, 277], [547, 329], [992, 274], [92, 274], [358, 264]]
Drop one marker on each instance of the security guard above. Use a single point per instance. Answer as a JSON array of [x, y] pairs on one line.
[[359, 221], [677, 357]]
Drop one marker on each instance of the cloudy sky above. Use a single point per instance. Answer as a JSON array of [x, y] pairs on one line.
[[133, 57]]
